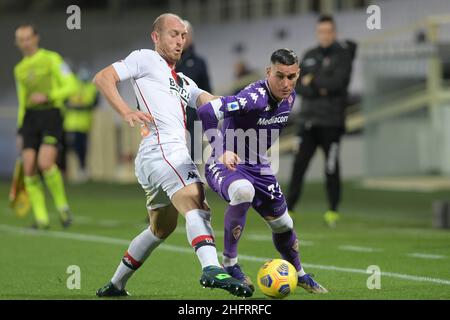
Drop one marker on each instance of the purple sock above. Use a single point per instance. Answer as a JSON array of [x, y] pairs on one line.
[[235, 217], [287, 245]]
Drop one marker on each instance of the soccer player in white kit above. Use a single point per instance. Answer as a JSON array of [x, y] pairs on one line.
[[163, 164]]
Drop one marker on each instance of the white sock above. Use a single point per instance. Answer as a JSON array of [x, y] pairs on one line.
[[121, 276], [301, 272], [201, 237], [139, 250], [228, 262]]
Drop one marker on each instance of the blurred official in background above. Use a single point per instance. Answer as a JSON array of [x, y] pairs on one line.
[[78, 120], [193, 66], [325, 76], [43, 83]]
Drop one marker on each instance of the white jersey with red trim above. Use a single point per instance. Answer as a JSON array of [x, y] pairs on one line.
[[163, 164], [161, 92]]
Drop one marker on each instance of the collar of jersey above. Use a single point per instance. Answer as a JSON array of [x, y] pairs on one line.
[[272, 100], [35, 55]]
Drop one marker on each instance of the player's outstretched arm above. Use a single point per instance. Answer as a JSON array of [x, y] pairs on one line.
[[210, 114], [213, 109], [106, 82], [204, 98]]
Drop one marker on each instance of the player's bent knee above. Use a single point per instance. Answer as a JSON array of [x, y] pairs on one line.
[[241, 191], [161, 233], [163, 221], [188, 198], [45, 165], [281, 224]]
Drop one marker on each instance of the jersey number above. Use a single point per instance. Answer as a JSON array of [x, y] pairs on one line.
[[275, 191]]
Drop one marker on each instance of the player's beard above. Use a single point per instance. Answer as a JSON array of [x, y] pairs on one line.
[[177, 56], [170, 58]]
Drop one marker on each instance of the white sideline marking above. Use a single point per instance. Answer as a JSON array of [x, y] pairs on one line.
[[101, 222], [256, 237], [267, 237], [249, 236], [358, 249], [425, 255], [182, 230], [109, 240]]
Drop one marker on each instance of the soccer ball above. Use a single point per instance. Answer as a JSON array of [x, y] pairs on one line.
[[277, 278]]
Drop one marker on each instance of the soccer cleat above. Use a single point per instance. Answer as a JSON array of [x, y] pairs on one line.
[[109, 290], [331, 217], [67, 221], [216, 277], [236, 272], [307, 282]]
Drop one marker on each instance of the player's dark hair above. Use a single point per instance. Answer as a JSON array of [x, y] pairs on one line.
[[28, 25], [284, 56], [326, 18]]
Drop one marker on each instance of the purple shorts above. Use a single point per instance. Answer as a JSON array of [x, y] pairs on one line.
[[268, 200]]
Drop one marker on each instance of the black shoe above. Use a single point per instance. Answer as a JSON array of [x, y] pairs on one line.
[[216, 277], [109, 290], [68, 220]]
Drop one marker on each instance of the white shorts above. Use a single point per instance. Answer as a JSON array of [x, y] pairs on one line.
[[162, 170]]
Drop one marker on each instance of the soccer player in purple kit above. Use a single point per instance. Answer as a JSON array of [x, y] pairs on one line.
[[262, 107]]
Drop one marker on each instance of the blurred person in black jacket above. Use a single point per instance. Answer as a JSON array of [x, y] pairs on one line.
[[195, 68], [243, 75], [325, 76]]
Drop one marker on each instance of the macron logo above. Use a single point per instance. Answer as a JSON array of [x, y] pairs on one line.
[[265, 122]]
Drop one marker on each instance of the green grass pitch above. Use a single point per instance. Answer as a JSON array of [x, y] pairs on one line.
[[391, 230]]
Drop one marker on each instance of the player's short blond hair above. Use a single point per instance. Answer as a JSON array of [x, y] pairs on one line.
[[159, 21]]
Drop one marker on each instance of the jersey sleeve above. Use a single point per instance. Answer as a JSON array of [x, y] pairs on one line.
[[252, 98], [193, 89], [65, 79], [195, 92], [21, 98], [130, 67]]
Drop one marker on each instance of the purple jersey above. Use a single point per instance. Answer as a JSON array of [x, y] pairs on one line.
[[253, 120]]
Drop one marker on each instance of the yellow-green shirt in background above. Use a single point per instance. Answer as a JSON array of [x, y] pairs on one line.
[[43, 72], [78, 116]]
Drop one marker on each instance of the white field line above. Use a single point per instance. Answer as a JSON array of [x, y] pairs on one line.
[[181, 230], [426, 256], [268, 238], [253, 237], [167, 247], [86, 220], [359, 249]]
